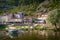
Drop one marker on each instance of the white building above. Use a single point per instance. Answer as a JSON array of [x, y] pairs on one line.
[[9, 17]]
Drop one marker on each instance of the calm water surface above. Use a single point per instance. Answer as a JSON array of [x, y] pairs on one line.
[[35, 35]]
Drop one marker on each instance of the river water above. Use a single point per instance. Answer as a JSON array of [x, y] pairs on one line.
[[49, 35], [41, 35]]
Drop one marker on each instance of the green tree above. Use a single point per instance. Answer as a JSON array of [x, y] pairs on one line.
[[2, 27], [53, 4], [54, 17], [16, 5]]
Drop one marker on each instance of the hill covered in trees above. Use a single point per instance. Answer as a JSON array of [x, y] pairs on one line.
[[22, 5], [53, 4], [27, 6]]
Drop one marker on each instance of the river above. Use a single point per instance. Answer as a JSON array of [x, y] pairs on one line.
[[35, 35]]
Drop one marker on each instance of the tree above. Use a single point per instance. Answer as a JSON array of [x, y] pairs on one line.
[[16, 5], [53, 4], [54, 17], [3, 26]]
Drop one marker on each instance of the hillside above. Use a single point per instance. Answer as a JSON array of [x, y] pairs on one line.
[[27, 6], [53, 4]]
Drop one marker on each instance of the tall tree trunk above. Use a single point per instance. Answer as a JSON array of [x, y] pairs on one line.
[[55, 26]]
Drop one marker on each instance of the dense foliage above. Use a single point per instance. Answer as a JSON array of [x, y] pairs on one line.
[[23, 5], [54, 17], [3, 26], [53, 4]]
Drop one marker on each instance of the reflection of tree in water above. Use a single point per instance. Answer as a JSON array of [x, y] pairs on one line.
[[55, 36], [34, 36], [49, 35]]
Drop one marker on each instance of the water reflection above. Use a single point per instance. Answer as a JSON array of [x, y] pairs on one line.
[[50, 35], [40, 35]]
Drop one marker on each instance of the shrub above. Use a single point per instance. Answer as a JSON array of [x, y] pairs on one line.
[[3, 26]]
